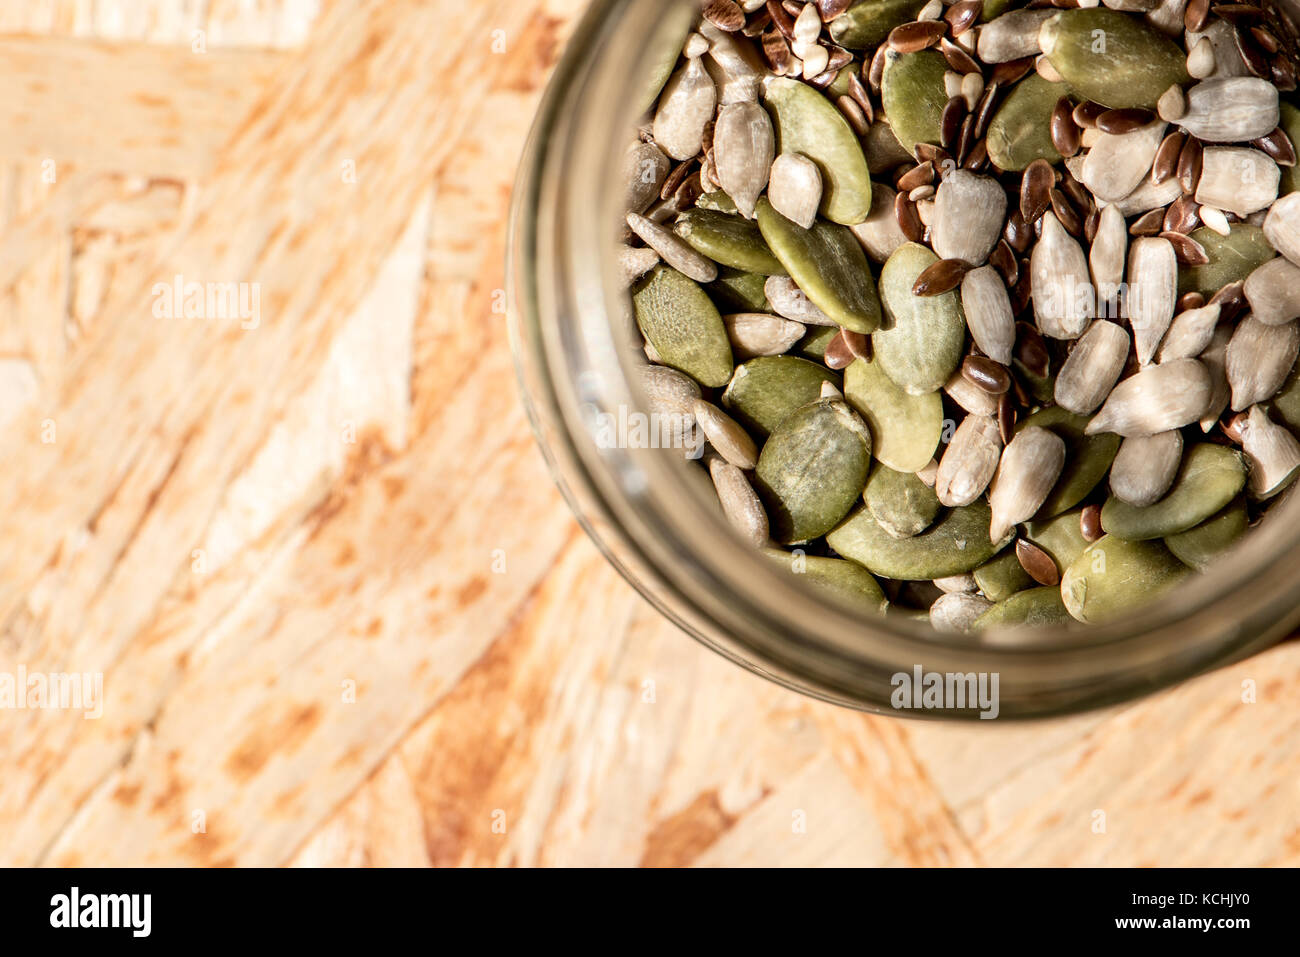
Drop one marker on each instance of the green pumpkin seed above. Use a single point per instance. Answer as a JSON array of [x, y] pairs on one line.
[[1087, 457], [815, 342], [1209, 477], [1003, 576], [1113, 575], [1033, 607], [808, 123], [812, 469], [900, 502], [1020, 131], [1232, 257], [667, 42], [921, 341], [848, 580], [1112, 58], [993, 9], [914, 96], [1199, 546], [1061, 537], [1286, 403], [828, 264], [717, 201], [1290, 124], [865, 25], [906, 429], [736, 291], [731, 240], [957, 544], [680, 321], [764, 391]]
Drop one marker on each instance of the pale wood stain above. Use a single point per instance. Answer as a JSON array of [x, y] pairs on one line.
[[278, 544]]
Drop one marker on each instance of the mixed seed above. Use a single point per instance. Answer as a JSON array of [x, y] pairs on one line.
[[986, 310]]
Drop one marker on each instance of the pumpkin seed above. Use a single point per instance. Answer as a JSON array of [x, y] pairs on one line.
[[848, 581], [905, 428], [1112, 58], [1003, 576], [812, 469], [737, 291], [1087, 457], [914, 96], [678, 319], [864, 25], [1209, 477], [1020, 131], [1033, 608], [828, 265], [902, 504], [764, 391], [1232, 258], [1113, 575], [1061, 537], [730, 240], [919, 344], [957, 543], [1198, 547], [807, 123]]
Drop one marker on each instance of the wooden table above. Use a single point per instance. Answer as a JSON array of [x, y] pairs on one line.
[[342, 616]]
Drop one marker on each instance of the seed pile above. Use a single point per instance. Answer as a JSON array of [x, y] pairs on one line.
[[986, 311]]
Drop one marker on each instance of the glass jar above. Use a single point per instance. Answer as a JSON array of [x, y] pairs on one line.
[[655, 515]]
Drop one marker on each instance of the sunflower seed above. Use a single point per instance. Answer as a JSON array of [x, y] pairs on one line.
[[725, 434], [1282, 226], [957, 584], [796, 188], [1238, 179], [955, 613], [636, 262], [1092, 367], [1059, 280], [1258, 360], [734, 66], [1011, 36], [1200, 60], [758, 334], [1273, 453], [1152, 289], [673, 249], [1273, 290], [1108, 255], [1027, 472], [645, 167], [1172, 105], [1149, 195], [1157, 399], [668, 391], [685, 106], [969, 396], [968, 464], [740, 503], [1117, 163], [988, 313], [743, 144], [789, 301], [880, 233], [1145, 466], [1190, 333]]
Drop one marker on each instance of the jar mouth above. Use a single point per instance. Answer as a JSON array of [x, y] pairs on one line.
[[655, 515]]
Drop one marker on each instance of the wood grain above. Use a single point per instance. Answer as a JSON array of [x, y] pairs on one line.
[[342, 615]]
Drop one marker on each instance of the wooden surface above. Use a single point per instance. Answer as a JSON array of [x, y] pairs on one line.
[[341, 613]]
